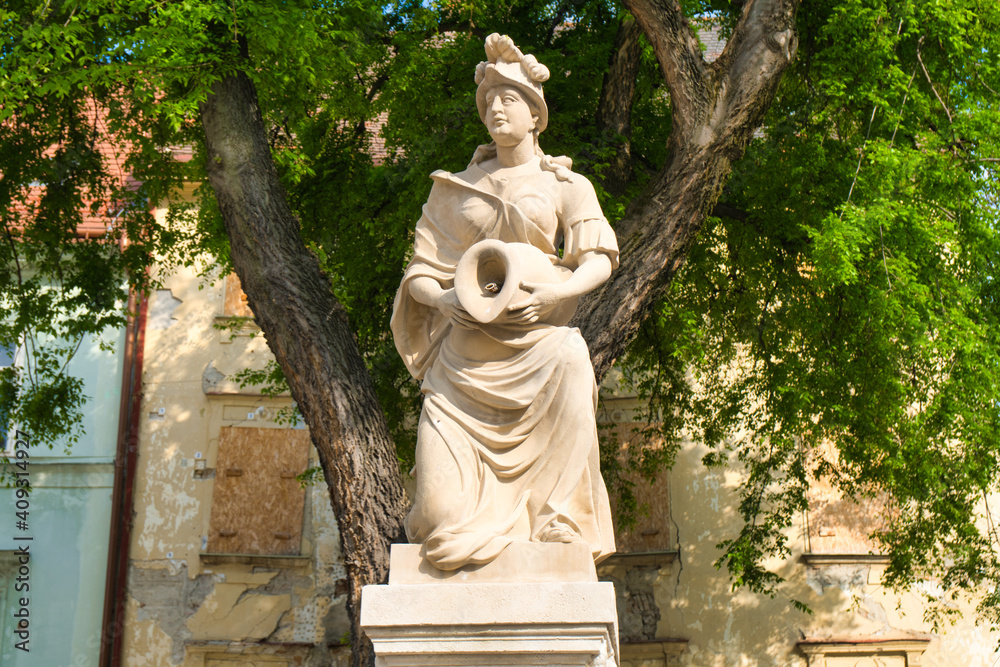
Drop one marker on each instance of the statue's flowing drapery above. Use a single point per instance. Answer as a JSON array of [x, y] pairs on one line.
[[506, 447]]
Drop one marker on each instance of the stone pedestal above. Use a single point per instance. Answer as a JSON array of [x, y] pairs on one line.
[[514, 611]]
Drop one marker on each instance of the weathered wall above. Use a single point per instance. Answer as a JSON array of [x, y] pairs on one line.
[[849, 603], [186, 606]]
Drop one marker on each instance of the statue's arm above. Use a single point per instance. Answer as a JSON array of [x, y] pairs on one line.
[[591, 251], [428, 291], [593, 268]]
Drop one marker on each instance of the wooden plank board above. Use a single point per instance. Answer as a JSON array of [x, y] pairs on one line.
[[651, 531], [258, 504]]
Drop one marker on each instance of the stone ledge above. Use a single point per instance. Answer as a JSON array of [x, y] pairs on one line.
[[818, 560], [261, 560], [235, 325], [817, 650], [635, 559], [668, 650]]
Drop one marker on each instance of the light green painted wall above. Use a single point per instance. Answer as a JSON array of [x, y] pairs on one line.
[[101, 371], [69, 523], [67, 572]]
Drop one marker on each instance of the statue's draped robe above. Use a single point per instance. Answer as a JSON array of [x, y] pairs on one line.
[[506, 447]]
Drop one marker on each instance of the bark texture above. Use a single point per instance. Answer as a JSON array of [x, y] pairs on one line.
[[716, 109], [614, 109], [309, 333]]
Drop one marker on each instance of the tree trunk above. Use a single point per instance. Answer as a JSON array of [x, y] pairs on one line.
[[614, 109], [309, 334], [716, 109]]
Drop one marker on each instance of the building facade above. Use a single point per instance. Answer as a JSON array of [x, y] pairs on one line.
[[232, 561]]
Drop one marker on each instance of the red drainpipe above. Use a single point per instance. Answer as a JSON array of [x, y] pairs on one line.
[[126, 456]]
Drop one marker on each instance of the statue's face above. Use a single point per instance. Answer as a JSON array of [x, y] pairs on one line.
[[509, 118]]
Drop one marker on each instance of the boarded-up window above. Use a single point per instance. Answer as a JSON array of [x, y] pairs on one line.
[[258, 503], [236, 299], [839, 525], [651, 531]]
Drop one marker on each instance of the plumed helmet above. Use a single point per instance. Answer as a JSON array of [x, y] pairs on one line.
[[507, 65]]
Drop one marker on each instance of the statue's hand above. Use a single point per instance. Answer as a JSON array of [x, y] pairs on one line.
[[540, 300], [450, 306]]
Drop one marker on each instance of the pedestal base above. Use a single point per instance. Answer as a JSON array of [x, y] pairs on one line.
[[536, 604], [476, 625]]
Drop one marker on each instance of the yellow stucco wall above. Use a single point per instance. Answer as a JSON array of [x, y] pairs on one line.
[[182, 608]]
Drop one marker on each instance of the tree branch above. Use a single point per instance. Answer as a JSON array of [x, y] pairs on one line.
[[931, 84], [762, 45], [679, 54], [716, 110], [614, 109]]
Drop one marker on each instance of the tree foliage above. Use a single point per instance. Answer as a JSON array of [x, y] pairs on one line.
[[850, 295], [843, 293]]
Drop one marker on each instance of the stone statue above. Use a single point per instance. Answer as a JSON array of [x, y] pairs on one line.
[[507, 440]]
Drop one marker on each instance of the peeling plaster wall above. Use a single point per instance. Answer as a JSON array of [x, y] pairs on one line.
[[184, 610]]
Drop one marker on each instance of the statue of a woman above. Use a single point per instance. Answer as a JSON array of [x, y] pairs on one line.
[[507, 440]]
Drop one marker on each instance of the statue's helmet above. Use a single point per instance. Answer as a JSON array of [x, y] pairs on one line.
[[506, 65]]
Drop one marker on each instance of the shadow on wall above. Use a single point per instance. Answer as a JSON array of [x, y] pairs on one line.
[[697, 600]]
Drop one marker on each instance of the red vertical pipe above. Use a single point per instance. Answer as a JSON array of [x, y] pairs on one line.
[[126, 457]]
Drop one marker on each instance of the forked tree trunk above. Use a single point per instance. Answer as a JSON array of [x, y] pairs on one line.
[[716, 109], [308, 332]]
